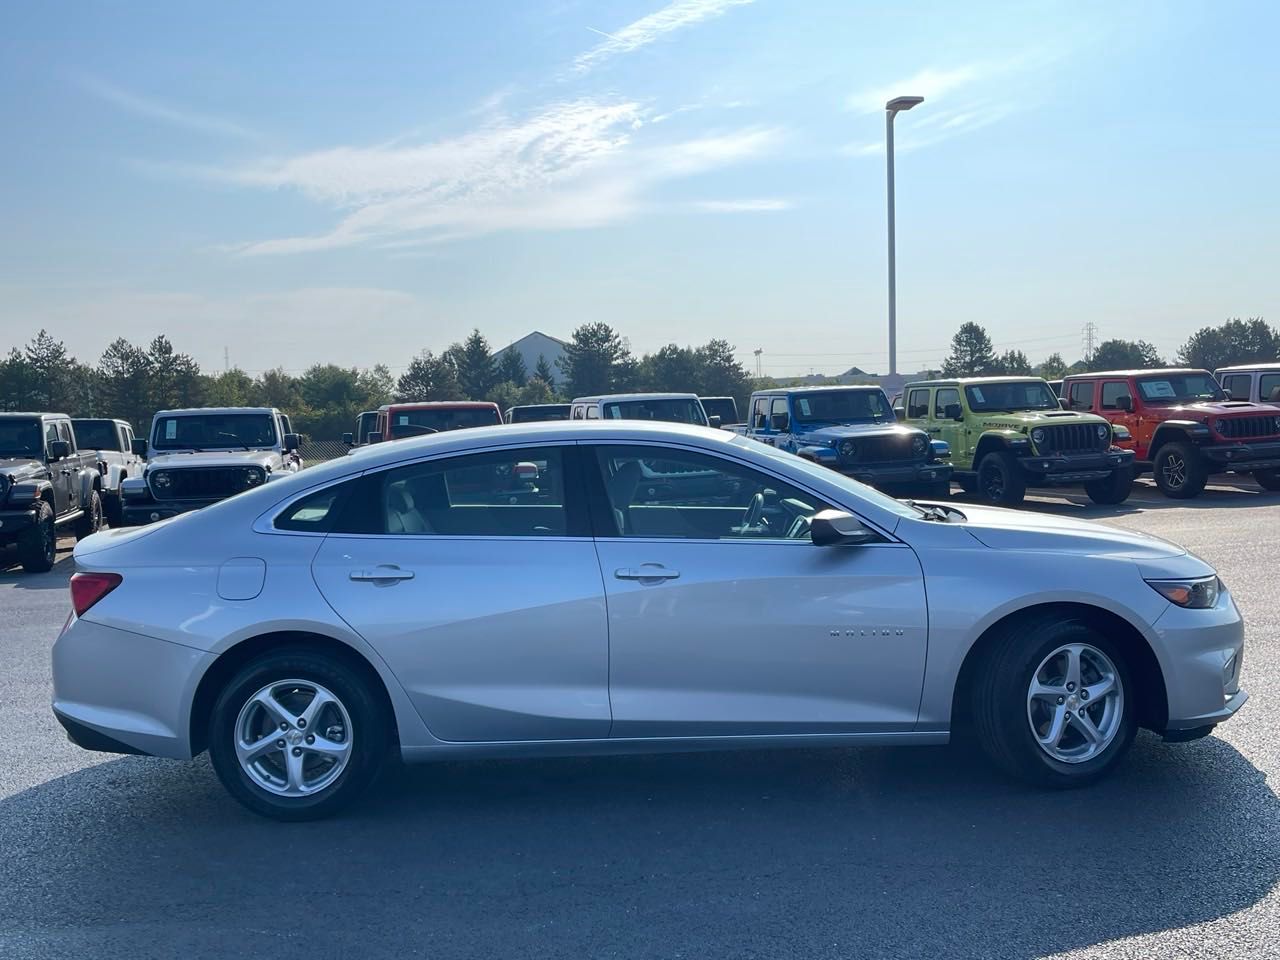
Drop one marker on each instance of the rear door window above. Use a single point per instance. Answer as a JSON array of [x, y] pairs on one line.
[[1081, 396], [1269, 388]]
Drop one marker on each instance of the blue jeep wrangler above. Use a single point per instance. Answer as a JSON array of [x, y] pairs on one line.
[[852, 430]]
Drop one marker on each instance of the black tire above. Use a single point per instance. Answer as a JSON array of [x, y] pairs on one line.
[[999, 703], [368, 734], [937, 490], [38, 545], [1111, 489], [90, 521], [113, 509], [1267, 479], [1000, 479], [1179, 471], [969, 485]]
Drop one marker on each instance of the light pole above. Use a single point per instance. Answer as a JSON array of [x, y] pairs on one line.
[[892, 109]]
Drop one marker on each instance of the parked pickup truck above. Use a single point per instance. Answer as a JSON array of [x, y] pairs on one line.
[[851, 430], [200, 456], [111, 441], [45, 483], [1010, 433], [1184, 427], [1259, 382]]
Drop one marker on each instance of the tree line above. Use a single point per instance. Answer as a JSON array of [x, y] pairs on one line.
[[1235, 341], [131, 382]]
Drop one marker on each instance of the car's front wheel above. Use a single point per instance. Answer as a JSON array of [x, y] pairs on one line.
[[1179, 471], [1053, 703], [297, 735], [38, 545], [1113, 488], [1000, 479], [1267, 479]]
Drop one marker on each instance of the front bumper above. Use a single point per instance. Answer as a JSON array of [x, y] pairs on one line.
[[1061, 468], [13, 522], [140, 513], [1201, 655], [888, 474], [1242, 456], [123, 692]]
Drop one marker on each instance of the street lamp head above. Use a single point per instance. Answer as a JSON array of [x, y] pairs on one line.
[[898, 104]]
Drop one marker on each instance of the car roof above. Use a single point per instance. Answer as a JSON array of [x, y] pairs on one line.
[[191, 411], [537, 406], [31, 414], [820, 389], [1133, 373], [635, 396], [439, 404], [1249, 368], [966, 381]]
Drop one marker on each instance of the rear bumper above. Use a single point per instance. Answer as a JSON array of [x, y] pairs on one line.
[[1067, 468], [1242, 456]]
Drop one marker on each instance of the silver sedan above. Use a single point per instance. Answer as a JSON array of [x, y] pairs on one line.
[[557, 588]]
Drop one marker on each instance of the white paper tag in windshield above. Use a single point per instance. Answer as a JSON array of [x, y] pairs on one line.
[[1159, 389], [977, 394], [171, 429], [402, 420]]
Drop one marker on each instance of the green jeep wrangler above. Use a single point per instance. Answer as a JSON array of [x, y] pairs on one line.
[[1010, 433]]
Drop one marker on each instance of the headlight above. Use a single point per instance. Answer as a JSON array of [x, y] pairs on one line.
[[1277, 424], [1102, 431], [253, 476], [1198, 594], [1220, 426], [1037, 436], [919, 445], [848, 448], [161, 480]]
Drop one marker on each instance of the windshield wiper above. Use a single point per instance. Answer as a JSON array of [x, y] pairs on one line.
[[232, 436], [930, 511]]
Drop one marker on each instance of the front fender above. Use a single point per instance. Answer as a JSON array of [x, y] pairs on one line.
[[1009, 440], [1171, 430], [134, 488], [823, 455], [29, 491], [88, 478], [941, 450]]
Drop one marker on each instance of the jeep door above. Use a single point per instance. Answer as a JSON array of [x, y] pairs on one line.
[[955, 432], [1108, 399], [720, 627], [480, 588]]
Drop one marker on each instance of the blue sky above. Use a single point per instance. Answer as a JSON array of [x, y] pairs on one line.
[[313, 182]]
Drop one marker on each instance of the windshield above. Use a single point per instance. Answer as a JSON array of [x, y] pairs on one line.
[[550, 411], [723, 407], [403, 422], [1170, 388], [21, 439], [214, 431], [96, 435], [680, 410], [841, 406], [1020, 395], [367, 423]]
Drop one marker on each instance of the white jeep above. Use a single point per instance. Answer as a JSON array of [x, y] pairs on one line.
[[200, 456]]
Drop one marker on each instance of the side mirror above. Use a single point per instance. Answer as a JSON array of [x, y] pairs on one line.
[[1063, 403], [291, 442], [349, 439], [1124, 402], [139, 446], [780, 422], [952, 411], [713, 421], [375, 436], [899, 413], [59, 450], [835, 528], [1228, 393]]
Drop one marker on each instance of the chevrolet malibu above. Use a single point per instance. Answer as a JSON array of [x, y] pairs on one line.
[[613, 587]]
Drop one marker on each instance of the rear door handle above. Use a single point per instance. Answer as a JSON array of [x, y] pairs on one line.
[[647, 571], [383, 573]]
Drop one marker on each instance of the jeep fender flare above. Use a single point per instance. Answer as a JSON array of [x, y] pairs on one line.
[[814, 453], [1170, 431], [32, 491], [996, 440], [89, 479]]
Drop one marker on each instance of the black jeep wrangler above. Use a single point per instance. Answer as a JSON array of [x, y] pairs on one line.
[[45, 483]]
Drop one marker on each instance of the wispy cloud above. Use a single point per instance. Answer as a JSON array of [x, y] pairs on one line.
[[166, 113], [928, 83], [763, 205], [933, 128], [674, 16], [576, 164]]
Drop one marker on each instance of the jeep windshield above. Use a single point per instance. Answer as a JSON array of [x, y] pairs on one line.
[[841, 406], [21, 440], [215, 431], [96, 435], [413, 423], [1010, 397], [1170, 388], [677, 410], [540, 412]]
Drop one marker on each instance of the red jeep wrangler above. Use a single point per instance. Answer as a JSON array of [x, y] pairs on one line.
[[1183, 425], [399, 420]]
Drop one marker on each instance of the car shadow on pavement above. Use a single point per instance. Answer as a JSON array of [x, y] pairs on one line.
[[56, 579], [842, 853]]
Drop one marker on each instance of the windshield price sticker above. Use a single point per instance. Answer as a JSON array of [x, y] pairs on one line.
[[803, 404], [171, 429], [977, 394], [1159, 390]]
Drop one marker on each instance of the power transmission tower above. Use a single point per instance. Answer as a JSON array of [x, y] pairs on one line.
[[1090, 336], [226, 359], [757, 352]]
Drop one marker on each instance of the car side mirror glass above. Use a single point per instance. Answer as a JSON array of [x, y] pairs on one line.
[[899, 413], [952, 411], [713, 422], [779, 421], [292, 441], [349, 439], [59, 450], [1227, 393], [1124, 402], [139, 446], [834, 528], [375, 436]]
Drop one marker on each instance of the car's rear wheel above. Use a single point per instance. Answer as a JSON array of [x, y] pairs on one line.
[[1113, 488], [297, 735], [1267, 479], [90, 521], [1000, 479], [1179, 471], [1053, 704], [38, 546], [112, 509]]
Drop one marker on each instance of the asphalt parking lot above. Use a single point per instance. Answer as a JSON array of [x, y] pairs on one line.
[[850, 853]]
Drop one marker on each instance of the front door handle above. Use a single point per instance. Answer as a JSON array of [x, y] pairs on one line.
[[647, 571], [935, 429], [383, 573]]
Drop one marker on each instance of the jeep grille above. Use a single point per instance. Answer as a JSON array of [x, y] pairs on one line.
[[203, 483], [877, 449], [1237, 427], [1073, 438]]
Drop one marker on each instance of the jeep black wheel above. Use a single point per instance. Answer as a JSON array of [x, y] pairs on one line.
[[91, 521], [969, 485], [1111, 489], [1179, 471], [38, 546], [1267, 479], [1000, 479], [112, 509], [937, 490]]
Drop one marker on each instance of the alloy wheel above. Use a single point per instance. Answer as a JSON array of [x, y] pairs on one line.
[[1174, 471], [293, 738], [1075, 703]]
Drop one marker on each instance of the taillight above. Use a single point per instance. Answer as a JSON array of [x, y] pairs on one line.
[[88, 588]]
